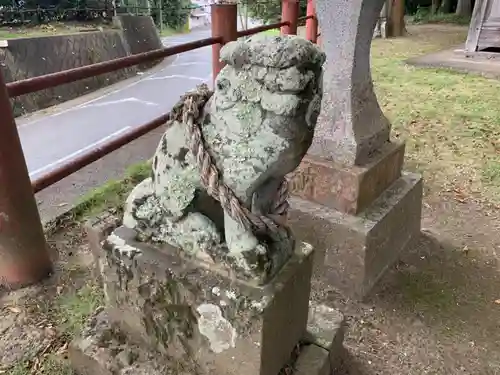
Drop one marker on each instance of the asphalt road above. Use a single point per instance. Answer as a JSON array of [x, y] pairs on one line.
[[58, 137], [55, 136]]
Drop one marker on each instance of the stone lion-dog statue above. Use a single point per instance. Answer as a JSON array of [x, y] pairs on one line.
[[217, 190]]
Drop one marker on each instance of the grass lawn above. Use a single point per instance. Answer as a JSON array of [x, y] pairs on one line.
[[54, 28], [451, 120], [60, 28], [167, 31], [271, 32]]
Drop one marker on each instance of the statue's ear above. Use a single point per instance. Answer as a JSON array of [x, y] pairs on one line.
[[235, 53], [321, 57], [222, 84], [320, 81]]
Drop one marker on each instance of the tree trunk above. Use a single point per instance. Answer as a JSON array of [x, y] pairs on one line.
[[464, 8], [435, 6], [243, 15], [445, 6], [398, 18], [245, 25]]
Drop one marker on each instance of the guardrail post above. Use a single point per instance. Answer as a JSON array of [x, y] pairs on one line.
[[24, 254], [290, 14], [225, 26], [311, 23]]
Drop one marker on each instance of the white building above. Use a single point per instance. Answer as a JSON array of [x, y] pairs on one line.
[[201, 16]]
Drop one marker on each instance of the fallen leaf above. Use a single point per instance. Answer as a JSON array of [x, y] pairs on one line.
[[15, 310], [460, 196]]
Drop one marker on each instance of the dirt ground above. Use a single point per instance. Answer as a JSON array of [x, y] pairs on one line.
[[435, 313]]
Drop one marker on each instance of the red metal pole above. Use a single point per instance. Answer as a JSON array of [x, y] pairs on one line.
[[224, 26], [24, 254], [86, 158], [290, 14], [311, 23]]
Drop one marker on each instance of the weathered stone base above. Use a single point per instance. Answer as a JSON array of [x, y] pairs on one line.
[[187, 309], [102, 349], [97, 229], [352, 252], [348, 189]]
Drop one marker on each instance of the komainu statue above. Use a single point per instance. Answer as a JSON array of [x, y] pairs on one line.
[[218, 188]]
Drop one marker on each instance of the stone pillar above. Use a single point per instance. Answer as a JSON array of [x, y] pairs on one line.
[[352, 127], [351, 180]]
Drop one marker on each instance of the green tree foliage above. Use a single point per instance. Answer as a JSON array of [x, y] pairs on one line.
[[412, 6], [175, 13], [431, 7], [269, 11], [440, 11]]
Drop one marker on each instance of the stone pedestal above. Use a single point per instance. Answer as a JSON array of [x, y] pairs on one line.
[[103, 349], [357, 207], [183, 307], [188, 313], [354, 251]]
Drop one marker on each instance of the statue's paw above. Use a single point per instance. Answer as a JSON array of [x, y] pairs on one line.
[[253, 264], [193, 234], [240, 241], [137, 197]]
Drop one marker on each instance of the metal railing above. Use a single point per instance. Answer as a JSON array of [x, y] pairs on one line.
[[24, 257], [29, 85]]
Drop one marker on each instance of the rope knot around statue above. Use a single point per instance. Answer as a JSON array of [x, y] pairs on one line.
[[189, 111]]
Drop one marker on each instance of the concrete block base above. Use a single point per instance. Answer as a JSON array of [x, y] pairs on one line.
[[353, 252], [325, 335], [190, 310]]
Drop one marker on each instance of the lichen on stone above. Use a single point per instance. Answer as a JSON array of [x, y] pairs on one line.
[[218, 330], [257, 127]]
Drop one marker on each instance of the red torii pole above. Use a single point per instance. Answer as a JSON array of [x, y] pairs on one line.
[[224, 26], [24, 255], [311, 22], [290, 13]]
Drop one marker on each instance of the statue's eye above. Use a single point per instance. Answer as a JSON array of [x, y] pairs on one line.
[[222, 84]]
